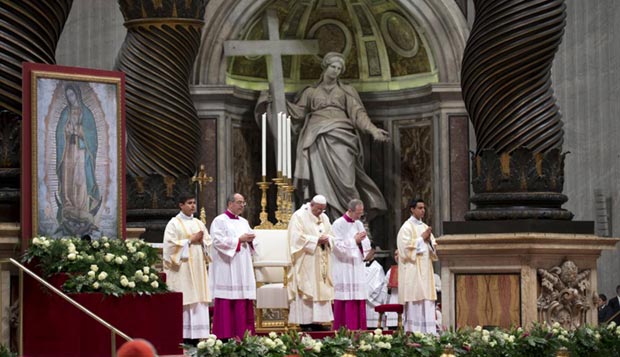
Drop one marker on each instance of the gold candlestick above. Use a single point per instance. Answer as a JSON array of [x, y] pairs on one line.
[[201, 178], [263, 216], [281, 202]]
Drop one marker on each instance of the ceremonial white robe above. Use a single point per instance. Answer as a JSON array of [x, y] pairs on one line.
[[416, 281], [232, 273], [377, 292], [348, 268], [185, 266], [310, 286]]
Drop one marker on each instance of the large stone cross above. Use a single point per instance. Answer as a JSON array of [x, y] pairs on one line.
[[274, 48]]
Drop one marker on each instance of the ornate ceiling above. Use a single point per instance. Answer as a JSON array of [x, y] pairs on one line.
[[384, 47]]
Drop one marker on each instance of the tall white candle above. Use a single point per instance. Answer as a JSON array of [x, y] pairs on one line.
[[288, 147], [264, 145], [284, 145], [279, 145]]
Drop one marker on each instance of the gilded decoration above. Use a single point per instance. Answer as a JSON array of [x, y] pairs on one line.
[[565, 295]]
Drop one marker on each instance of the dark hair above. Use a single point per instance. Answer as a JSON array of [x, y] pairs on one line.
[[617, 288], [230, 198], [184, 196], [414, 202], [602, 297]]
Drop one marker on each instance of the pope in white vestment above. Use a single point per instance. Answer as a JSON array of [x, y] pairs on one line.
[[351, 245], [310, 286], [185, 256], [416, 281], [232, 280]]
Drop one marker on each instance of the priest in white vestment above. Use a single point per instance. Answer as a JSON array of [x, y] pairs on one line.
[[310, 286], [351, 246], [185, 255], [232, 282], [416, 281]]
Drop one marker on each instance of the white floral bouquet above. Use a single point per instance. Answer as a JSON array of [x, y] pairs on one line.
[[110, 266]]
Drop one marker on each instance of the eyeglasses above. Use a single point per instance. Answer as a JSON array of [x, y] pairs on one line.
[[242, 203]]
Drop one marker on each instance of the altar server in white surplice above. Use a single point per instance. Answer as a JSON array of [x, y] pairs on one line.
[[351, 245], [185, 255], [232, 275], [416, 281], [377, 289], [310, 286]]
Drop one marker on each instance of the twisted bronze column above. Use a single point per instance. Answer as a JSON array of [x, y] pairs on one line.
[[29, 32], [157, 56], [518, 169]]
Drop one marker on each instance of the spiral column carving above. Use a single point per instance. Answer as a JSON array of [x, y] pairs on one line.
[[163, 132], [29, 32], [518, 169]]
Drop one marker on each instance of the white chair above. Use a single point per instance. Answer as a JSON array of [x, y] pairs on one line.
[[271, 263]]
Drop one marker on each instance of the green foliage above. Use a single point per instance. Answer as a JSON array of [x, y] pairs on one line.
[[5, 352], [110, 266], [539, 341]]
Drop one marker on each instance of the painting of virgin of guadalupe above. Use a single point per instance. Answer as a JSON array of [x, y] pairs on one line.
[[78, 198], [73, 152]]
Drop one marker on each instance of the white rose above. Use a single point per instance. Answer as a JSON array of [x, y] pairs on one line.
[[146, 270], [102, 275], [154, 277], [139, 274], [118, 260], [131, 249], [95, 244], [155, 284], [492, 343], [36, 241], [71, 256], [273, 335], [378, 331], [91, 274], [141, 255], [485, 332], [104, 238], [485, 339], [108, 257], [145, 278], [218, 343], [94, 267], [96, 285], [106, 244], [478, 328], [71, 248], [511, 339], [278, 342], [556, 325], [210, 342], [124, 282], [131, 285], [124, 257], [201, 345]]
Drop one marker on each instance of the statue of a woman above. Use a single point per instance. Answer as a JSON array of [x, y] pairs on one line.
[[329, 152]]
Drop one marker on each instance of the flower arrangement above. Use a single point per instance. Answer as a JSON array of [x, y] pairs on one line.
[[110, 266], [539, 341]]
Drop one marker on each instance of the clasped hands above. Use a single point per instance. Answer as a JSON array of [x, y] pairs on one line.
[[196, 238], [359, 237], [323, 240], [247, 237]]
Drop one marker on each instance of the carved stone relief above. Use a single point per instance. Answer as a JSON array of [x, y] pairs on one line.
[[565, 295]]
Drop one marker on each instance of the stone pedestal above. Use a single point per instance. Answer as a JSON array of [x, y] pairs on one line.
[[495, 279]]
